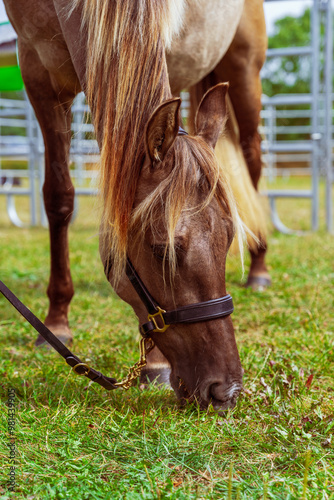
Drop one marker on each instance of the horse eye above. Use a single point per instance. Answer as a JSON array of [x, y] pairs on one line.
[[160, 252]]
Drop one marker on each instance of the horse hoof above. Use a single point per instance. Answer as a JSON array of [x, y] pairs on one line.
[[157, 376], [258, 283], [63, 333]]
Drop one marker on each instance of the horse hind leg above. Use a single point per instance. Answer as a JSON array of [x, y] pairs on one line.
[[52, 108], [246, 104]]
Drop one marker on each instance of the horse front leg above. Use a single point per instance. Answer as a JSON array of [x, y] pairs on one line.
[[58, 193], [52, 108], [241, 65]]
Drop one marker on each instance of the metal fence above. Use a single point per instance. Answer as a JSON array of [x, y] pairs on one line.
[[18, 144], [318, 148], [23, 139]]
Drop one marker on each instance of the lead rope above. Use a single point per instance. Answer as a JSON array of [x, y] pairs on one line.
[[79, 368]]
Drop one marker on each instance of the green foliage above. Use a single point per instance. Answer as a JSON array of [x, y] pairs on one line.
[[291, 74], [286, 75], [13, 94]]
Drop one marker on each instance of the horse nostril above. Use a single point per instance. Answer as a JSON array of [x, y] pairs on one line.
[[223, 397]]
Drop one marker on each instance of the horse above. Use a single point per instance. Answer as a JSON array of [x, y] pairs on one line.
[[167, 204]]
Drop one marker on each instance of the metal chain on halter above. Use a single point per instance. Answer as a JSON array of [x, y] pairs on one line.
[[146, 345]]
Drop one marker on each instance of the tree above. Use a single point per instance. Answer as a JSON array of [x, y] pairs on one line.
[[291, 74]]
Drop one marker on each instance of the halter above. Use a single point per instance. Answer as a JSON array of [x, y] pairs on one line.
[[159, 321]]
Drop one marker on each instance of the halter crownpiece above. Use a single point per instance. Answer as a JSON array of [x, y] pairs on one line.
[[182, 131]]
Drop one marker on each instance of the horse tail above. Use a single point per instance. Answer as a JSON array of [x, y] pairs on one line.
[[252, 210]]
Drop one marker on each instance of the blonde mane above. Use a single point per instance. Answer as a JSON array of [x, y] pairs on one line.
[[126, 79], [195, 171]]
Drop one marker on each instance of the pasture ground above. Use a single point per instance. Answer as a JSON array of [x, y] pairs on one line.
[[78, 442]]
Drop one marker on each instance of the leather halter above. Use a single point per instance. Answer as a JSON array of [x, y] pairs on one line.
[[159, 319]]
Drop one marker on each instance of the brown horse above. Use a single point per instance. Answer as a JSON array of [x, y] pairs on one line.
[[166, 201]]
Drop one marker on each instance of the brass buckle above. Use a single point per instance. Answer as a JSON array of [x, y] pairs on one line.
[[152, 317], [81, 364]]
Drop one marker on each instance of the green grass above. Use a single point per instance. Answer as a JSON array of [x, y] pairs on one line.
[[79, 442]]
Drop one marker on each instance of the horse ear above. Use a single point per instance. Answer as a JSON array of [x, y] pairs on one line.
[[162, 129], [211, 115]]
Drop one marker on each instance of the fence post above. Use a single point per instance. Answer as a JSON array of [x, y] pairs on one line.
[[328, 104]]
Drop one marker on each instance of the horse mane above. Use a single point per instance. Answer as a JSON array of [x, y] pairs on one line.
[[195, 179], [126, 79]]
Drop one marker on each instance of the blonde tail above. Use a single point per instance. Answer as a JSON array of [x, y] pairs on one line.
[[252, 208]]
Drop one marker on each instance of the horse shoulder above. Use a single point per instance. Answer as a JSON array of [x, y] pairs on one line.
[[38, 28], [208, 29]]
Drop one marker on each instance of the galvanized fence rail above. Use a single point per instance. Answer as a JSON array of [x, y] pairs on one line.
[[18, 115]]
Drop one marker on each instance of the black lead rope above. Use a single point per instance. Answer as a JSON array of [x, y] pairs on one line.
[[71, 359]]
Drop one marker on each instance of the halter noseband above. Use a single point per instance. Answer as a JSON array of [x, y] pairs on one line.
[[159, 319]]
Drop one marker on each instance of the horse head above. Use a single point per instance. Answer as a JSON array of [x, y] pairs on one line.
[[183, 222]]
